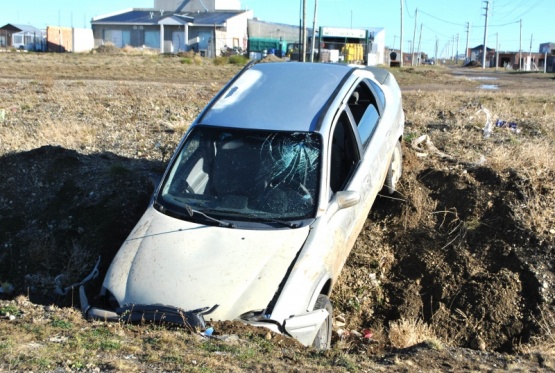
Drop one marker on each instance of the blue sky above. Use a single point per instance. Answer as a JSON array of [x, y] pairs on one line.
[[440, 21]]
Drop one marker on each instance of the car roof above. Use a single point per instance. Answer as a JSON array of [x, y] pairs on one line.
[[288, 96]]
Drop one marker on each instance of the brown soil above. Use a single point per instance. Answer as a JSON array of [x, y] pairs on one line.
[[446, 249]]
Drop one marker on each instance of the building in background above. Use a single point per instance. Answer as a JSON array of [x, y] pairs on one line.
[[205, 26], [69, 39], [22, 37]]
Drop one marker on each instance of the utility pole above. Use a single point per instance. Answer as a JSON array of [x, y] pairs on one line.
[[485, 36], [414, 36], [303, 49], [418, 52], [466, 56], [435, 51], [520, 48], [457, 51], [300, 29], [314, 31], [401, 43], [496, 51], [530, 53]]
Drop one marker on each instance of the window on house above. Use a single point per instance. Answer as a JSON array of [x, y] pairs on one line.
[[152, 39]]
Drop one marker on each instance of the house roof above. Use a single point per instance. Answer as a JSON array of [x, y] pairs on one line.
[[481, 47], [155, 17], [20, 28]]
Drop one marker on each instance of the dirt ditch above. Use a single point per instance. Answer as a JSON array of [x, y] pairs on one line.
[[449, 249], [457, 259]]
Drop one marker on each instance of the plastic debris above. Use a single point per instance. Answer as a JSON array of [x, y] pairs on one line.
[[512, 126], [367, 334], [422, 143], [208, 332], [488, 126]]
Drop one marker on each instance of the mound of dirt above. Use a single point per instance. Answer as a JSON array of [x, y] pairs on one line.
[[453, 255], [461, 261], [473, 64], [61, 210], [271, 58]]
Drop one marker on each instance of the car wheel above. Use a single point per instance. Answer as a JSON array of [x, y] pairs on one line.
[[395, 169], [323, 338]]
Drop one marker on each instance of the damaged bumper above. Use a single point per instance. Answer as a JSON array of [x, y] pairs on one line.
[[303, 328], [145, 313]]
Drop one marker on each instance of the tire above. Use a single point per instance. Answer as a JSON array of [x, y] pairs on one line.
[[322, 341], [395, 169]]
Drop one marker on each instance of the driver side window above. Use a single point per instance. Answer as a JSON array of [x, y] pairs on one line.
[[344, 153]]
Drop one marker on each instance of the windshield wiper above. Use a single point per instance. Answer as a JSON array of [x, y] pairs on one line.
[[192, 212], [262, 218]]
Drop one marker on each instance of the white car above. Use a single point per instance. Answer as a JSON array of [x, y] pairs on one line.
[[262, 202]]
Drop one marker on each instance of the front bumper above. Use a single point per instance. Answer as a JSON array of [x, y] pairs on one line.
[[146, 313]]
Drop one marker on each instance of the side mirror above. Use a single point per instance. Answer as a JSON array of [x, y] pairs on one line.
[[342, 200], [347, 199]]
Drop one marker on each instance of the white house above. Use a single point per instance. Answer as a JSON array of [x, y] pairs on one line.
[[171, 26]]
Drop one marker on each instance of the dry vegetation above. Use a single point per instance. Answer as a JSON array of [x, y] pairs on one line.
[[461, 257]]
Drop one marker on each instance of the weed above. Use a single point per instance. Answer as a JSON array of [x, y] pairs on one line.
[[62, 324], [238, 60], [220, 61], [109, 345], [408, 332], [9, 310]]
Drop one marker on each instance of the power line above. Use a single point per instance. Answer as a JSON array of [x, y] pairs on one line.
[[538, 2], [442, 20], [407, 9]]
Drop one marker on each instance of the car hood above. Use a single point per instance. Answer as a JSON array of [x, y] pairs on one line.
[[171, 262]]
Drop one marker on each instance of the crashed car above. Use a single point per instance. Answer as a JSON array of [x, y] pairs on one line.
[[262, 202]]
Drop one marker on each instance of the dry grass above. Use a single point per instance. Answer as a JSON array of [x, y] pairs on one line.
[[454, 124], [138, 105], [409, 332]]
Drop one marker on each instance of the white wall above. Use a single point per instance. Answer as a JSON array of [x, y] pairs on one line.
[[237, 28], [83, 40]]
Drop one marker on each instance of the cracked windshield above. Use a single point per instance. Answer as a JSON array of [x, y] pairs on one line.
[[245, 174]]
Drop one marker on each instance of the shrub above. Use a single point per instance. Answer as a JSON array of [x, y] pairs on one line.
[[108, 48], [197, 60], [238, 60], [220, 61]]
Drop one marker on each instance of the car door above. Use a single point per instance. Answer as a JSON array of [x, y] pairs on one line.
[[356, 165], [345, 174]]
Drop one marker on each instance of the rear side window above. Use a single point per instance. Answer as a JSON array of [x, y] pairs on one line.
[[365, 110], [378, 93]]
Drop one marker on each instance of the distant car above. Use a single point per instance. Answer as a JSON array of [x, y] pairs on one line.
[[428, 62], [257, 212]]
